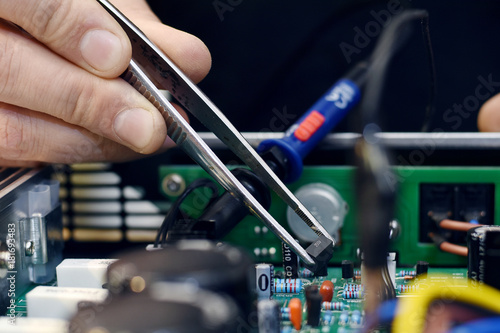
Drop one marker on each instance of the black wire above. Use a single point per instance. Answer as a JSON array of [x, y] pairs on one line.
[[391, 40], [173, 213], [430, 109]]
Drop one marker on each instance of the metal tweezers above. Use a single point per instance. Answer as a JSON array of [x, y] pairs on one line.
[[149, 64]]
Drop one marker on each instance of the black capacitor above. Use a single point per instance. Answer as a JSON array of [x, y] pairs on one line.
[[347, 269], [164, 309], [484, 255], [314, 309], [310, 290], [422, 268], [222, 269], [268, 316], [290, 262]]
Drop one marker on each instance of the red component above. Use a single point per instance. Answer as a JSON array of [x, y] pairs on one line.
[[295, 307], [309, 126], [326, 290]]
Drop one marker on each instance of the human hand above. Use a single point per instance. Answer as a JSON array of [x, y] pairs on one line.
[[60, 98], [488, 119]]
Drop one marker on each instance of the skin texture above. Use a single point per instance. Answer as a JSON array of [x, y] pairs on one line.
[[61, 99], [488, 119]]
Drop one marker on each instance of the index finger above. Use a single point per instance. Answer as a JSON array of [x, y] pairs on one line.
[[78, 30]]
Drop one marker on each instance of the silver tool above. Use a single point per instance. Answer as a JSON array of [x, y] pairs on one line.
[[149, 62]]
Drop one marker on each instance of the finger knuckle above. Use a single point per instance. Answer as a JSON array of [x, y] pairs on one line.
[[48, 17], [11, 55], [14, 138]]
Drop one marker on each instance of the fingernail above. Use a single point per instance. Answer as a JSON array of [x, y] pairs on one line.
[[135, 127], [101, 49]]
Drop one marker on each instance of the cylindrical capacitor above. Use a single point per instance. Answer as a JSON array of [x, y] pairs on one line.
[[422, 269], [484, 255], [347, 269], [264, 280], [326, 290], [290, 262], [326, 205], [314, 309], [268, 316]]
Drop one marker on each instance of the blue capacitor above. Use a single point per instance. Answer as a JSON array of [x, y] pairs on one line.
[[356, 318], [344, 318], [327, 318]]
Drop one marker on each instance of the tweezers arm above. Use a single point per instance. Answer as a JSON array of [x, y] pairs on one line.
[[184, 136]]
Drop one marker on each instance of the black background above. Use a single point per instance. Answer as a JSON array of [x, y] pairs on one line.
[[285, 54]]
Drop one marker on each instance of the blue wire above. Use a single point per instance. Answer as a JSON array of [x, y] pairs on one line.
[[387, 311], [488, 325]]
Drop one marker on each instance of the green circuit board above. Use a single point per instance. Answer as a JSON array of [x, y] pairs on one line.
[[408, 181], [351, 317]]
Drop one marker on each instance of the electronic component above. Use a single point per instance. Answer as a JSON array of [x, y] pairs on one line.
[[484, 255], [223, 269], [83, 273], [335, 306], [60, 302], [289, 286], [407, 288], [422, 268], [352, 294], [326, 290], [33, 325], [295, 306], [264, 279], [327, 206], [347, 269], [31, 239], [179, 307], [269, 316], [314, 309]]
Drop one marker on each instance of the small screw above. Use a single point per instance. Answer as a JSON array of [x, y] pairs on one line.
[[29, 248], [173, 184]]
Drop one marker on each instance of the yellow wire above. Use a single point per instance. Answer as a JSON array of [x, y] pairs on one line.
[[412, 311]]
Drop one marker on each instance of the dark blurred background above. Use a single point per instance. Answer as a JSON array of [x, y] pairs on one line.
[[271, 55]]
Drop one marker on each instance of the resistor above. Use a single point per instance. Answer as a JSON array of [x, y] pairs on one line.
[[352, 294], [344, 318], [357, 272], [336, 306], [293, 287], [406, 288], [354, 287], [288, 281], [404, 273], [356, 317], [305, 273]]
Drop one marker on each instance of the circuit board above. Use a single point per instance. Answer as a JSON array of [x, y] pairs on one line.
[[345, 312], [409, 213]]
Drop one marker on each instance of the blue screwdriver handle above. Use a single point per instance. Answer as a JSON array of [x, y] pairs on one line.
[[317, 122]]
